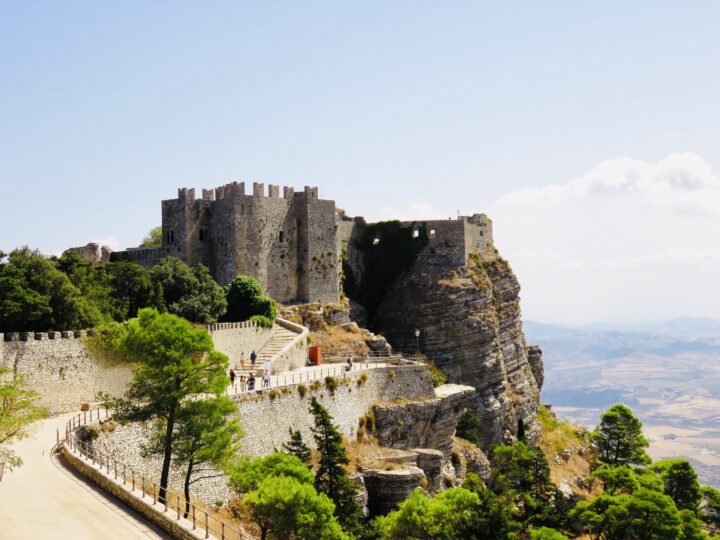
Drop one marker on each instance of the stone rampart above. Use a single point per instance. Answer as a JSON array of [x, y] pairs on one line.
[[232, 339], [59, 367], [266, 419]]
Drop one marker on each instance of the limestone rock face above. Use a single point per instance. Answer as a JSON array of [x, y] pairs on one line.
[[536, 364], [386, 489], [470, 326], [427, 423]]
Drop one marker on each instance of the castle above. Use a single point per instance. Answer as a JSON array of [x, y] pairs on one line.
[[291, 243]]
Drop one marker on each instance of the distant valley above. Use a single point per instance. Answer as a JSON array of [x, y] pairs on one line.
[[668, 373]]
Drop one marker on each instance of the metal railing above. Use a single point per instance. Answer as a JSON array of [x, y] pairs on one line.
[[198, 517], [318, 373]]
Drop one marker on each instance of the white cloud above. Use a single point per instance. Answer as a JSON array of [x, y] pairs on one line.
[[627, 241]]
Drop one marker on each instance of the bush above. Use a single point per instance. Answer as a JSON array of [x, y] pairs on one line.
[[331, 383], [302, 390], [85, 407], [360, 434], [362, 379], [273, 394], [246, 300], [391, 374]]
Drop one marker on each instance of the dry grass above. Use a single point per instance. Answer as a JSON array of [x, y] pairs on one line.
[[340, 340]]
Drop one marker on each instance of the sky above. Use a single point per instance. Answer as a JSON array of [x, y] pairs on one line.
[[587, 131]]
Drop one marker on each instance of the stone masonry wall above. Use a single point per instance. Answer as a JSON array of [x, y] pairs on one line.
[[266, 421], [233, 339], [61, 370]]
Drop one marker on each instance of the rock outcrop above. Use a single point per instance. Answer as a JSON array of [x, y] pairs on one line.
[[469, 324], [92, 252], [427, 423], [386, 489]]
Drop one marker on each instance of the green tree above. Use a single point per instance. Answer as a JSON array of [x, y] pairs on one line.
[[36, 296], [245, 300], [710, 511], [691, 526], [90, 280], [544, 533], [131, 289], [618, 439], [153, 238], [451, 514], [296, 446], [617, 479], [644, 515], [331, 477], [206, 440], [173, 362], [285, 508], [467, 427], [680, 482], [190, 293], [18, 409], [246, 475]]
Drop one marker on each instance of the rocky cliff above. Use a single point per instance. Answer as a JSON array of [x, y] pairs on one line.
[[470, 326]]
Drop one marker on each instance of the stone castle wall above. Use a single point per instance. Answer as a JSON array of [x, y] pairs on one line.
[[61, 370], [266, 421], [288, 243], [232, 339]]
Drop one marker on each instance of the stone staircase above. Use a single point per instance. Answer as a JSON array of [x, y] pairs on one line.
[[281, 337]]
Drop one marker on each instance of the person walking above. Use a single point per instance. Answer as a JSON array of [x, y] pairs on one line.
[[253, 359], [251, 383], [232, 378], [243, 383], [242, 361], [266, 379]]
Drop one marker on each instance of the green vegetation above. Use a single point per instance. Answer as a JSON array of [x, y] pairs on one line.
[[153, 238], [388, 249], [467, 427], [175, 362], [618, 440], [39, 294], [18, 410], [331, 477], [278, 495], [190, 293], [245, 300], [296, 446], [557, 434]]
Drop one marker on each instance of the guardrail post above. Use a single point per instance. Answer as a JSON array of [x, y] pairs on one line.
[[115, 467], [177, 501], [154, 499], [124, 474], [222, 530], [132, 471], [84, 417], [193, 516], [207, 530], [107, 461]]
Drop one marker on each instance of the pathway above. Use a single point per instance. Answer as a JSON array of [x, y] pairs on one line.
[[44, 499]]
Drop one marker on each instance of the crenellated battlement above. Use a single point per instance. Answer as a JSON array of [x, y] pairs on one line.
[[44, 336]]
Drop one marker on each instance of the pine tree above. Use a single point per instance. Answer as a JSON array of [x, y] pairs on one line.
[[331, 477], [297, 447], [618, 439]]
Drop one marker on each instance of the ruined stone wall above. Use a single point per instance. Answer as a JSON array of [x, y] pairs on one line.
[[232, 339], [61, 370]]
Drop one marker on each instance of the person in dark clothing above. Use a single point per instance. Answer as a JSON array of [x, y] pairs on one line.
[[251, 383], [232, 378], [253, 359]]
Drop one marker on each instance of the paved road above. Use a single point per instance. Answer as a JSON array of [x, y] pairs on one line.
[[43, 499]]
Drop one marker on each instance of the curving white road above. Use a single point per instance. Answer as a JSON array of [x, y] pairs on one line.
[[44, 499]]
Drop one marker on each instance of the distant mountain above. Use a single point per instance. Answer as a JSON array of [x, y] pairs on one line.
[[667, 372]]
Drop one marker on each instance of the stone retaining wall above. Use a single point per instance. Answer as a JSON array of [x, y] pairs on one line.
[[61, 369], [241, 337]]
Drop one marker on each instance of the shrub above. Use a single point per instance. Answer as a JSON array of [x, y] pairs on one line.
[[362, 379], [331, 383], [398, 399], [315, 385], [219, 503], [273, 394], [391, 373], [302, 390], [360, 434], [85, 407]]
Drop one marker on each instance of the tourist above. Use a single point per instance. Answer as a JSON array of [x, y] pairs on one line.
[[365, 361], [251, 383], [349, 364], [243, 383], [242, 361], [253, 359], [266, 379], [232, 378]]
